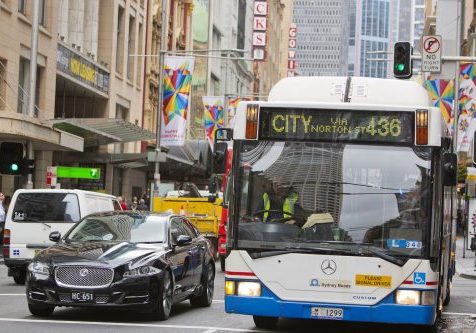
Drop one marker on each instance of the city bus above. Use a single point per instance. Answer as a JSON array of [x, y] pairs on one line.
[[368, 235]]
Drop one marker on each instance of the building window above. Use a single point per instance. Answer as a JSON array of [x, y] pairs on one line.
[[42, 13], [131, 47], [22, 6], [120, 40], [3, 84], [23, 87], [139, 59], [241, 24]]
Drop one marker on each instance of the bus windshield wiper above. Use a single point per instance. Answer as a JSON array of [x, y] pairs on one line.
[[298, 249], [382, 254]]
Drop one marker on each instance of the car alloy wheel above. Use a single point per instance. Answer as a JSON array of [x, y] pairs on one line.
[[210, 283], [167, 294]]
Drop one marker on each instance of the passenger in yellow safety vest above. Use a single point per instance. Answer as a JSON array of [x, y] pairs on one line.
[[278, 206]]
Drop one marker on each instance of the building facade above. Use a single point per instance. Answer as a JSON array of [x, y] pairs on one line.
[[99, 91], [17, 123], [322, 37], [374, 28], [89, 92]]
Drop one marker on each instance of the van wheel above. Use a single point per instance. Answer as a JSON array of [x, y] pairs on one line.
[[19, 276], [222, 263]]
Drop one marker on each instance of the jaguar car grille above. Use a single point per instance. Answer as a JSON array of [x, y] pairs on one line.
[[83, 276]]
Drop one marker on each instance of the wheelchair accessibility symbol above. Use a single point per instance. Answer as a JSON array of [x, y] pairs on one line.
[[419, 278]]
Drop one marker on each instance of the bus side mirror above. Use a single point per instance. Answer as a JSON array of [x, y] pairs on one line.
[[450, 168], [219, 157]]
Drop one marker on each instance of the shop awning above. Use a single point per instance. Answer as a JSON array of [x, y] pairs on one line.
[[101, 131]]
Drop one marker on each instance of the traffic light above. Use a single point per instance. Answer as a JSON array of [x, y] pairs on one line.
[[11, 158], [402, 60]]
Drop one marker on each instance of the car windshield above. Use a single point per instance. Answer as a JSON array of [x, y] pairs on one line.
[[367, 198], [133, 227]]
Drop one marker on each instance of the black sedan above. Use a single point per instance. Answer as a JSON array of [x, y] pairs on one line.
[[123, 259]]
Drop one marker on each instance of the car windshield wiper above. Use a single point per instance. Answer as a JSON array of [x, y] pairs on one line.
[[381, 253], [155, 242]]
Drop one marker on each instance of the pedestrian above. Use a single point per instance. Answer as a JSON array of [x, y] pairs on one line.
[[2, 217], [134, 203], [142, 205], [122, 201]]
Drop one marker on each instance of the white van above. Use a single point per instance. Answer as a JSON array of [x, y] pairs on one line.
[[34, 214]]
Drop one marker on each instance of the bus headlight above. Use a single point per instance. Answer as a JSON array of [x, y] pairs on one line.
[[229, 287], [408, 297], [428, 297], [249, 289]]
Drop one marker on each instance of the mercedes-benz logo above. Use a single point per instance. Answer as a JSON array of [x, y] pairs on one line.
[[83, 272], [328, 267]]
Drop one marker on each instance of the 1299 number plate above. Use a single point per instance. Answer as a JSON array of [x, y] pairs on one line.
[[327, 313], [82, 297]]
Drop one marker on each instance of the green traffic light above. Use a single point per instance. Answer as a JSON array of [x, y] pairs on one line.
[[400, 67], [14, 167]]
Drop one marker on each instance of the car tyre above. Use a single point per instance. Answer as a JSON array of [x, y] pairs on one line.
[[205, 297], [222, 263], [41, 310], [265, 322], [19, 277], [163, 306]]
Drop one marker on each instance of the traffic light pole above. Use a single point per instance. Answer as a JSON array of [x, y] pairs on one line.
[[30, 153], [160, 100]]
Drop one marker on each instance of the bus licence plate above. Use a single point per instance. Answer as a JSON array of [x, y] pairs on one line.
[[327, 313]]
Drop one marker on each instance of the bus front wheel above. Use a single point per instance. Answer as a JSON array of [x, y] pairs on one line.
[[265, 322]]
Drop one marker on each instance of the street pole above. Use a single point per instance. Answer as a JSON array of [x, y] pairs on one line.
[[32, 87], [163, 48]]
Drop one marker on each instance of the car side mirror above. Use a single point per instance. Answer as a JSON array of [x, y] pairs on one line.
[[450, 169], [183, 240], [55, 236]]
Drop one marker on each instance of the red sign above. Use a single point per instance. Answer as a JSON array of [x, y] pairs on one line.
[[260, 25]]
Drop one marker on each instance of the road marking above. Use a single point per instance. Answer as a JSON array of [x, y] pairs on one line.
[[460, 314], [207, 329], [214, 301], [210, 331]]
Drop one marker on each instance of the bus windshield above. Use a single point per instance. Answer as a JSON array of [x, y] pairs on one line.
[[367, 199]]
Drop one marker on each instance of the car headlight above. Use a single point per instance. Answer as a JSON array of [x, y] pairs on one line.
[[142, 271], [408, 297], [249, 289], [39, 268], [229, 287]]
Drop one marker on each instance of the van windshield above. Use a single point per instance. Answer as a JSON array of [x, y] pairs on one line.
[[46, 207]]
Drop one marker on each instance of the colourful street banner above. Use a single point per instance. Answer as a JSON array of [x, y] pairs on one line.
[[442, 95], [177, 84], [214, 116], [231, 112], [467, 105]]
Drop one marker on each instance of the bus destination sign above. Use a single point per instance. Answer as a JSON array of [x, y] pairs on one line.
[[336, 125]]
